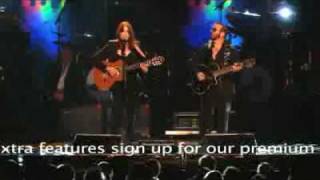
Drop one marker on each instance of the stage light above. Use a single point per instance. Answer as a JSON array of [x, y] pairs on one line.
[[43, 2], [32, 2], [248, 13], [197, 2], [285, 12], [88, 35], [2, 9]]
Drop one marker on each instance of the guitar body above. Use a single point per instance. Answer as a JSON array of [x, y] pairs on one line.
[[214, 73], [103, 80], [215, 80], [201, 87]]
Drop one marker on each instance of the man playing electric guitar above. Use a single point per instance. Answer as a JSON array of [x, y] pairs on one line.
[[216, 53]]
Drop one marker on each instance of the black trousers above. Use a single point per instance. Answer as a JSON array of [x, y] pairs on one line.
[[125, 103], [105, 100], [215, 107]]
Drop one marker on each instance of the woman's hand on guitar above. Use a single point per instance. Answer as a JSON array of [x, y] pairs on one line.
[[201, 76], [236, 67], [105, 62], [113, 72], [144, 67], [58, 96]]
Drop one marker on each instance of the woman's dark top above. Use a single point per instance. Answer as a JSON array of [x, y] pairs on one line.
[[132, 82]]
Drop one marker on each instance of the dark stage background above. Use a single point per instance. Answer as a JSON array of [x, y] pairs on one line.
[[277, 112]]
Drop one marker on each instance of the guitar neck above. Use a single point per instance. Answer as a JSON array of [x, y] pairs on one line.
[[132, 67], [136, 66], [222, 71]]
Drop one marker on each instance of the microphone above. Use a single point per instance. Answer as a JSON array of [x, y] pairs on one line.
[[123, 46], [210, 44], [124, 39]]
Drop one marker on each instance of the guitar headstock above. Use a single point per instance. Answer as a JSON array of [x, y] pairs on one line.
[[157, 61]]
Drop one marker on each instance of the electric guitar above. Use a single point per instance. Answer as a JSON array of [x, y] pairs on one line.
[[104, 81], [214, 75]]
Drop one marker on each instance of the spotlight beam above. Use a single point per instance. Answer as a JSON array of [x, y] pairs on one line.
[[285, 12]]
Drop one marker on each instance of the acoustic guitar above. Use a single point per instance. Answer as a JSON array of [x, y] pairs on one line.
[[104, 81]]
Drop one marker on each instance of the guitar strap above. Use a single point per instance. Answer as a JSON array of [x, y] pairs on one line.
[[227, 53], [138, 49]]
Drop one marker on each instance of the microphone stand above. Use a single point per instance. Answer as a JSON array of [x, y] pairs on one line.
[[124, 73], [59, 28], [125, 82]]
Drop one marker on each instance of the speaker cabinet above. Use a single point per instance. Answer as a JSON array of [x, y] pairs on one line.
[[84, 119]]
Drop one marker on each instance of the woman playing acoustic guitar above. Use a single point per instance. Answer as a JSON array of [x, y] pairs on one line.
[[112, 78]]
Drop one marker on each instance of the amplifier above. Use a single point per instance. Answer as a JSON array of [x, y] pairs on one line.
[[83, 119], [186, 120]]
